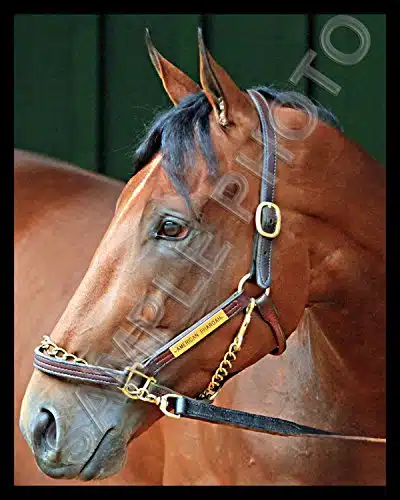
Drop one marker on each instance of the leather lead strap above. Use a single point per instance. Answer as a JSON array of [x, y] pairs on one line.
[[193, 409]]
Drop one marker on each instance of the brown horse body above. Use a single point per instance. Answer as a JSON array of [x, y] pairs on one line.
[[328, 267], [61, 213]]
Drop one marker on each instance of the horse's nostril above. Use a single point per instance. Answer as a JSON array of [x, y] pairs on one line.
[[44, 431]]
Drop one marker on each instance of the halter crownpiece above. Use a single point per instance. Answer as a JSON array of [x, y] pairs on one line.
[[268, 215], [139, 382]]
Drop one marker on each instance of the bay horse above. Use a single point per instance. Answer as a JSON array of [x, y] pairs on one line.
[[60, 214], [176, 225]]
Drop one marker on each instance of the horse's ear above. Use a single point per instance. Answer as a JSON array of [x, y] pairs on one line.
[[224, 95], [176, 83]]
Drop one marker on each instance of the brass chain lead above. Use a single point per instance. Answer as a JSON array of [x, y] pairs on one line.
[[222, 371], [52, 349]]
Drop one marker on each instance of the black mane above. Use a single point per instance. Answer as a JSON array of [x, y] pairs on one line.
[[178, 131]]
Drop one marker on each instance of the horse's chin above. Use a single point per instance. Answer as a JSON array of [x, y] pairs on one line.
[[107, 460]]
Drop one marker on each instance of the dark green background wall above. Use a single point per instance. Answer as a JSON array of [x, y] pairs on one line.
[[85, 87]]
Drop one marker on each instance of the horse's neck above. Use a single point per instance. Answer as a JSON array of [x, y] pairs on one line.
[[333, 180], [345, 222]]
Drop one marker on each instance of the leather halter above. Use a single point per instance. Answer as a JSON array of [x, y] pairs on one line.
[[129, 380], [262, 249]]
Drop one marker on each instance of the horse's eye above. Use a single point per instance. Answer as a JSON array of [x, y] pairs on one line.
[[172, 229]]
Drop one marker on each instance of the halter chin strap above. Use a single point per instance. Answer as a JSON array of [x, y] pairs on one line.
[[172, 404]]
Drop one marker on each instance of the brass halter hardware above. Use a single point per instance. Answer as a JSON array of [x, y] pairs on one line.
[[52, 349], [221, 372], [259, 210], [222, 119], [133, 391], [243, 281], [164, 404]]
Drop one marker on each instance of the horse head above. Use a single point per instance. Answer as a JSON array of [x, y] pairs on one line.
[[186, 258]]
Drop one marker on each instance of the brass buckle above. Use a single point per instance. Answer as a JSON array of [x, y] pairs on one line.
[[133, 391], [164, 404], [259, 210]]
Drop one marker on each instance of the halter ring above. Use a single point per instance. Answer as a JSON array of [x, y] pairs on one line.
[[243, 281]]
